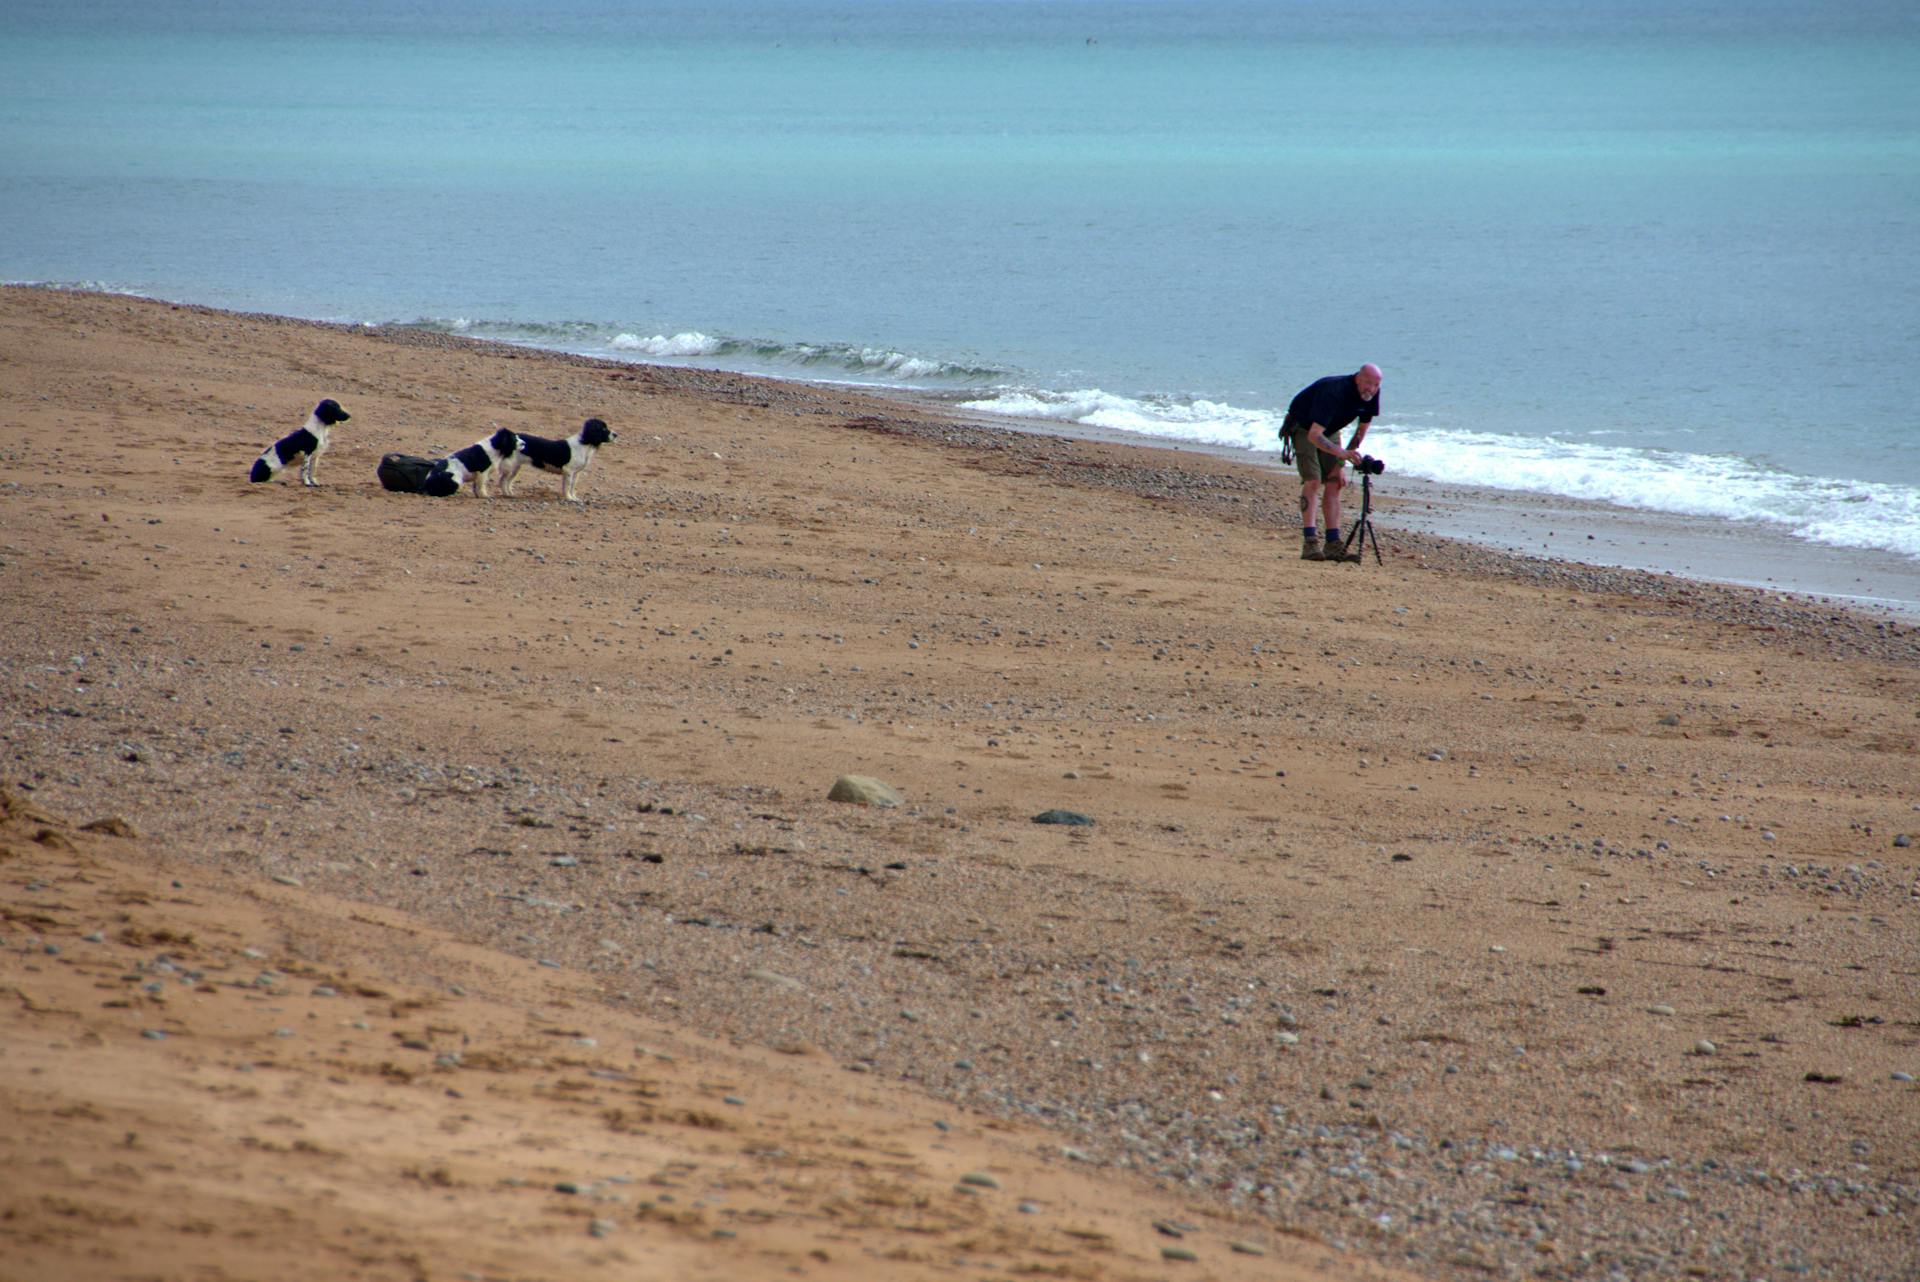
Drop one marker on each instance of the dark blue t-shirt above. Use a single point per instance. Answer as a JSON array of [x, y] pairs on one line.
[[1332, 402]]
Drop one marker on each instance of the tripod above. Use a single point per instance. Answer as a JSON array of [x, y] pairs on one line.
[[1362, 535]]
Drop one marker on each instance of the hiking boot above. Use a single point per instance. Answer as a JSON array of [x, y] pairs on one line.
[[1349, 552], [1312, 549]]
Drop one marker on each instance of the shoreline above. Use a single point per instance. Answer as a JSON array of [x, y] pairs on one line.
[[1578, 533]]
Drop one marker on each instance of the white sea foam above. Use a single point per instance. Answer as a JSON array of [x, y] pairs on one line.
[[688, 344], [1841, 513], [900, 365]]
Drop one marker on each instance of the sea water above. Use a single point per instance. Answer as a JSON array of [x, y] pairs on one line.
[[1657, 255]]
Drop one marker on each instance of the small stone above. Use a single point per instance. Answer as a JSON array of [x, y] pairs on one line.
[[1029, 1208], [864, 790], [734, 1100], [980, 1179], [1660, 1010], [1287, 1039], [1705, 1047], [1072, 818], [153, 1035], [1902, 841], [1246, 1248], [325, 990], [95, 937], [285, 880], [1178, 1253], [601, 1228], [1902, 1077], [774, 977]]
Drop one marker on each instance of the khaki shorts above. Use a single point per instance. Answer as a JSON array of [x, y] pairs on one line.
[[1313, 465]]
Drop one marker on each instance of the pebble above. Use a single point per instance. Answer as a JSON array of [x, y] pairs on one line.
[[1070, 817], [1246, 1248], [1178, 1253], [980, 1179], [864, 790], [153, 1035], [1902, 1077], [1029, 1208], [285, 880], [95, 937], [1660, 1010], [1705, 1047], [601, 1228]]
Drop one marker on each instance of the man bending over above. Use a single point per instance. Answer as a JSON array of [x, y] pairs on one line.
[[1315, 419]]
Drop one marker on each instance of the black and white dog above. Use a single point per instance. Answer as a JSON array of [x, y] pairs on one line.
[[569, 457], [303, 447], [475, 464]]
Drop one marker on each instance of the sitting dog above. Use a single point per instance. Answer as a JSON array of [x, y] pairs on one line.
[[475, 463], [569, 457], [303, 447]]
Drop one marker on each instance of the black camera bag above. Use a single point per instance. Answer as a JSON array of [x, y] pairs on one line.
[[405, 473]]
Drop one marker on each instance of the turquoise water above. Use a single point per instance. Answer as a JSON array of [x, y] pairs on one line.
[[1601, 250]]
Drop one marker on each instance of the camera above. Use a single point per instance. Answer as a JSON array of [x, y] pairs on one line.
[[1369, 465]]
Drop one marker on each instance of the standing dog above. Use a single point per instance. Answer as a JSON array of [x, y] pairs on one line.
[[569, 457], [303, 447], [475, 463]]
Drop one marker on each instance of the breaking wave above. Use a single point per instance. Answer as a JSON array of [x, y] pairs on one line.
[[829, 361]]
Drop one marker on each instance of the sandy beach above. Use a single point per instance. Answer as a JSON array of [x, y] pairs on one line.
[[411, 888]]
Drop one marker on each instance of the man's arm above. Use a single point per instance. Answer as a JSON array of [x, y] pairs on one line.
[[1360, 434], [1317, 437]]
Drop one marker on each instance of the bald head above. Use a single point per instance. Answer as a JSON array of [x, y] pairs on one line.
[[1368, 381]]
